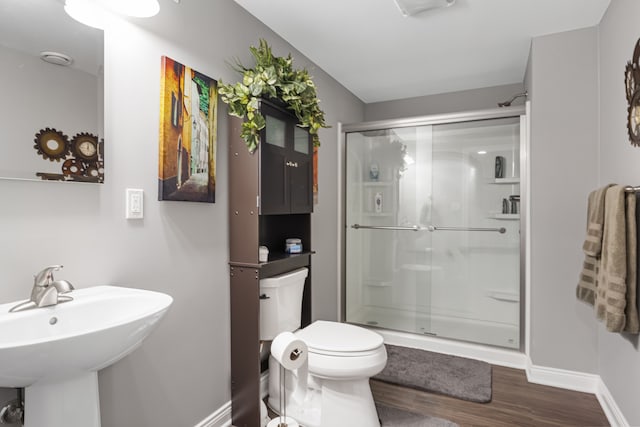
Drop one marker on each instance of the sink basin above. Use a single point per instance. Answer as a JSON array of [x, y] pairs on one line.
[[55, 352]]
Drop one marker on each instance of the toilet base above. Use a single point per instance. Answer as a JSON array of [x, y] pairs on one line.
[[326, 402]]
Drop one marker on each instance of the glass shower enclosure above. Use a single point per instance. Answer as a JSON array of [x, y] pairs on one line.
[[432, 220]]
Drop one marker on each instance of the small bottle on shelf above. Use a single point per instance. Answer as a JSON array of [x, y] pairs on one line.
[[377, 203]]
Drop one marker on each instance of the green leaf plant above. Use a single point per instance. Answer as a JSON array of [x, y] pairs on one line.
[[273, 77]]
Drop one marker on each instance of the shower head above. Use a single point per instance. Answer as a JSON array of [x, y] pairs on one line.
[[508, 103]]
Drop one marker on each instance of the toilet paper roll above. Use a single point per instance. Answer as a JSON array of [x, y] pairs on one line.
[[289, 351]]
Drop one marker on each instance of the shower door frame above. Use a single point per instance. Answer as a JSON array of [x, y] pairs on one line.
[[521, 112]]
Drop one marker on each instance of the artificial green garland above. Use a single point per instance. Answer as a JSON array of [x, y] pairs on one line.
[[272, 77]]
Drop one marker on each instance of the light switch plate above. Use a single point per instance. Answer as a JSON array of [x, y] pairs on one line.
[[134, 203]]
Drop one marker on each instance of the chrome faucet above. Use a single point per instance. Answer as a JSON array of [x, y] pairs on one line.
[[46, 291]]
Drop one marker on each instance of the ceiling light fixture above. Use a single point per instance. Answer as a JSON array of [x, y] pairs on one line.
[[132, 8], [413, 7], [94, 12], [86, 12]]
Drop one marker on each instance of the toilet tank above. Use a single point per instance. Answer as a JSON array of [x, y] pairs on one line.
[[281, 303]]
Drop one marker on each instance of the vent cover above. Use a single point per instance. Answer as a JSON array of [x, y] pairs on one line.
[[56, 58]]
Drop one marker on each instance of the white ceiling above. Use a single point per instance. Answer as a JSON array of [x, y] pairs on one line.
[[379, 55]]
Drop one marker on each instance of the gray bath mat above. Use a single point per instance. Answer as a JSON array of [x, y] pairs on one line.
[[466, 379], [393, 417]]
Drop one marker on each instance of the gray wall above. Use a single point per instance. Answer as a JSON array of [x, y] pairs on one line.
[[619, 358], [181, 374], [467, 100], [563, 81], [564, 116], [579, 140]]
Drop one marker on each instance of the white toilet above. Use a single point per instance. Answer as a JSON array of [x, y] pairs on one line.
[[334, 389]]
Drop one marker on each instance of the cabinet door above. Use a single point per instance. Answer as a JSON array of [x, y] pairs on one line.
[[300, 167], [274, 189]]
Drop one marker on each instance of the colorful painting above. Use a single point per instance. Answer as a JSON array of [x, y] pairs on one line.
[[188, 127]]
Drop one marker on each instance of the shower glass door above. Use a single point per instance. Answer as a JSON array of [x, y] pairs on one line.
[[432, 240]]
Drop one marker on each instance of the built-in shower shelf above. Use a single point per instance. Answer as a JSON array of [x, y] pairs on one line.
[[512, 180], [378, 214], [420, 267], [505, 216], [375, 283], [377, 183], [503, 296]]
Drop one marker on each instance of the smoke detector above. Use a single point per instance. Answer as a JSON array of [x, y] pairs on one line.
[[56, 58]]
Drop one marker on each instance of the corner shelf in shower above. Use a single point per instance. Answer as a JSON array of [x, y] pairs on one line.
[[376, 283], [420, 267], [377, 183], [503, 296], [502, 216], [512, 180]]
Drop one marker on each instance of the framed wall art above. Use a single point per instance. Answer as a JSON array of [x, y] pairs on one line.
[[188, 128]]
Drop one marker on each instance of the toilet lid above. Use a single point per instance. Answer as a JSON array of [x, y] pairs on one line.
[[339, 337]]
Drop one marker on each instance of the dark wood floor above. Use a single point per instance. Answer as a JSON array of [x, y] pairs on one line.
[[515, 402]]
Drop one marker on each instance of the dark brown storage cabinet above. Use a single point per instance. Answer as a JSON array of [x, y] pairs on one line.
[[270, 200], [286, 164]]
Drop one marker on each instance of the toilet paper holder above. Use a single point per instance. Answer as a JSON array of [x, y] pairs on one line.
[[287, 346]]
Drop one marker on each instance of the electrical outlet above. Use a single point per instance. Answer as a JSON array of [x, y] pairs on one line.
[[134, 203]]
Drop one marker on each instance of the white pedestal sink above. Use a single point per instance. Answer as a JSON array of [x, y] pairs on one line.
[[55, 352]]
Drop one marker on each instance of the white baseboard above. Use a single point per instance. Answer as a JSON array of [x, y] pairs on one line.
[[609, 406], [222, 416], [570, 380], [579, 381]]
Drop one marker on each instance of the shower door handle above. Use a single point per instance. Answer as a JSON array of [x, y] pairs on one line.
[[500, 230], [430, 228]]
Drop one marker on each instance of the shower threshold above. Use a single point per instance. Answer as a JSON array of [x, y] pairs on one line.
[[450, 327]]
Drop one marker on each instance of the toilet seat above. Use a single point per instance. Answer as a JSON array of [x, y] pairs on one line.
[[343, 351], [339, 338]]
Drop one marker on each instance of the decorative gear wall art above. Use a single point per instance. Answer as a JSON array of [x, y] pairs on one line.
[[51, 144], [72, 167], [85, 146], [83, 157], [632, 92]]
